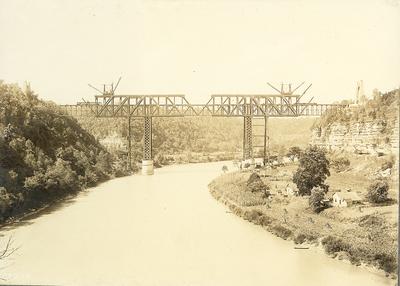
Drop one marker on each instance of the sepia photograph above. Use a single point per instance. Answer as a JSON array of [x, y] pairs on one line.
[[199, 142]]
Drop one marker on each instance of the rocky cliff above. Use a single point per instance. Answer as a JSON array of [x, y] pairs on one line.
[[359, 137]]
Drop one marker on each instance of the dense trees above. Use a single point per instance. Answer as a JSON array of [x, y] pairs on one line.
[[44, 154], [312, 171], [173, 136]]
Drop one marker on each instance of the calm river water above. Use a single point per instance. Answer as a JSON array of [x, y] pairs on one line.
[[164, 229]]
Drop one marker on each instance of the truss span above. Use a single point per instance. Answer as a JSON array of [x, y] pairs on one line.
[[178, 106]]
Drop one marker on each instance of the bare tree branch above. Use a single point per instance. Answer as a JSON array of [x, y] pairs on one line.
[[9, 249]]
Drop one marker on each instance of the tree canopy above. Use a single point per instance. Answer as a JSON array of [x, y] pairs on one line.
[[312, 171], [44, 154], [378, 191]]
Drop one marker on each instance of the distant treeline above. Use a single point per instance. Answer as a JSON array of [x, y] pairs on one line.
[[193, 136], [44, 155], [173, 136]]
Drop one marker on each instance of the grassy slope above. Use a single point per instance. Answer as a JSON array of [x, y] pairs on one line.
[[368, 236]]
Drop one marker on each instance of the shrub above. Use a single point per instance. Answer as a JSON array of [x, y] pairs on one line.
[[378, 191], [312, 171], [311, 237], [354, 260], [119, 168], [340, 164], [332, 245], [265, 220], [315, 201], [371, 221], [386, 262], [282, 231], [294, 152], [254, 216], [7, 200], [160, 159], [387, 165], [300, 238], [255, 184]]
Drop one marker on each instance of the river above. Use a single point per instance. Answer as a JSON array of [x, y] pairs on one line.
[[164, 229]]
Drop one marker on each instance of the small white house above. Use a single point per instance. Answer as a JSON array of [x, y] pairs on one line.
[[272, 193], [345, 199], [259, 162]]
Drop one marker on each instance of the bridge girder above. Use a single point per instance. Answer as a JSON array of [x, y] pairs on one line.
[[178, 106]]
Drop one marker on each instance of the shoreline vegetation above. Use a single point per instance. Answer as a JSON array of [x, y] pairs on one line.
[[45, 156], [363, 235]]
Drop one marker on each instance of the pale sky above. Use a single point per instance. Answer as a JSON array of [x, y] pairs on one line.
[[200, 48]]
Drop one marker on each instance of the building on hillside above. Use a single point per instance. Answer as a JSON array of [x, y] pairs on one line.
[[288, 160], [272, 193], [345, 199], [259, 162]]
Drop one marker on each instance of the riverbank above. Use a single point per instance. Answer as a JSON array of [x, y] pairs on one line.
[[363, 237]]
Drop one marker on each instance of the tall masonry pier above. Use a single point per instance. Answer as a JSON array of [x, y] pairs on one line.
[[247, 106]]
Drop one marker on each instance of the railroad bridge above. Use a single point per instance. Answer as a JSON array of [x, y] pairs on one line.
[[248, 106]]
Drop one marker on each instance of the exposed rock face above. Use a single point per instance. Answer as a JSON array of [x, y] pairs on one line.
[[370, 137]]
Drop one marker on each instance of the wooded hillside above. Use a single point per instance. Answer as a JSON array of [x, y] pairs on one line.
[[44, 155]]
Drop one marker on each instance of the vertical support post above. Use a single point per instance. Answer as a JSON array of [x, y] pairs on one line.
[[248, 138], [266, 137], [147, 163], [244, 139], [129, 145]]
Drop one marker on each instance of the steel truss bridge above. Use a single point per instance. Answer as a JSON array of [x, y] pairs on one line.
[[249, 107]]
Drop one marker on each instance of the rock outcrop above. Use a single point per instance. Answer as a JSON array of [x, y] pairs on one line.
[[369, 137]]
